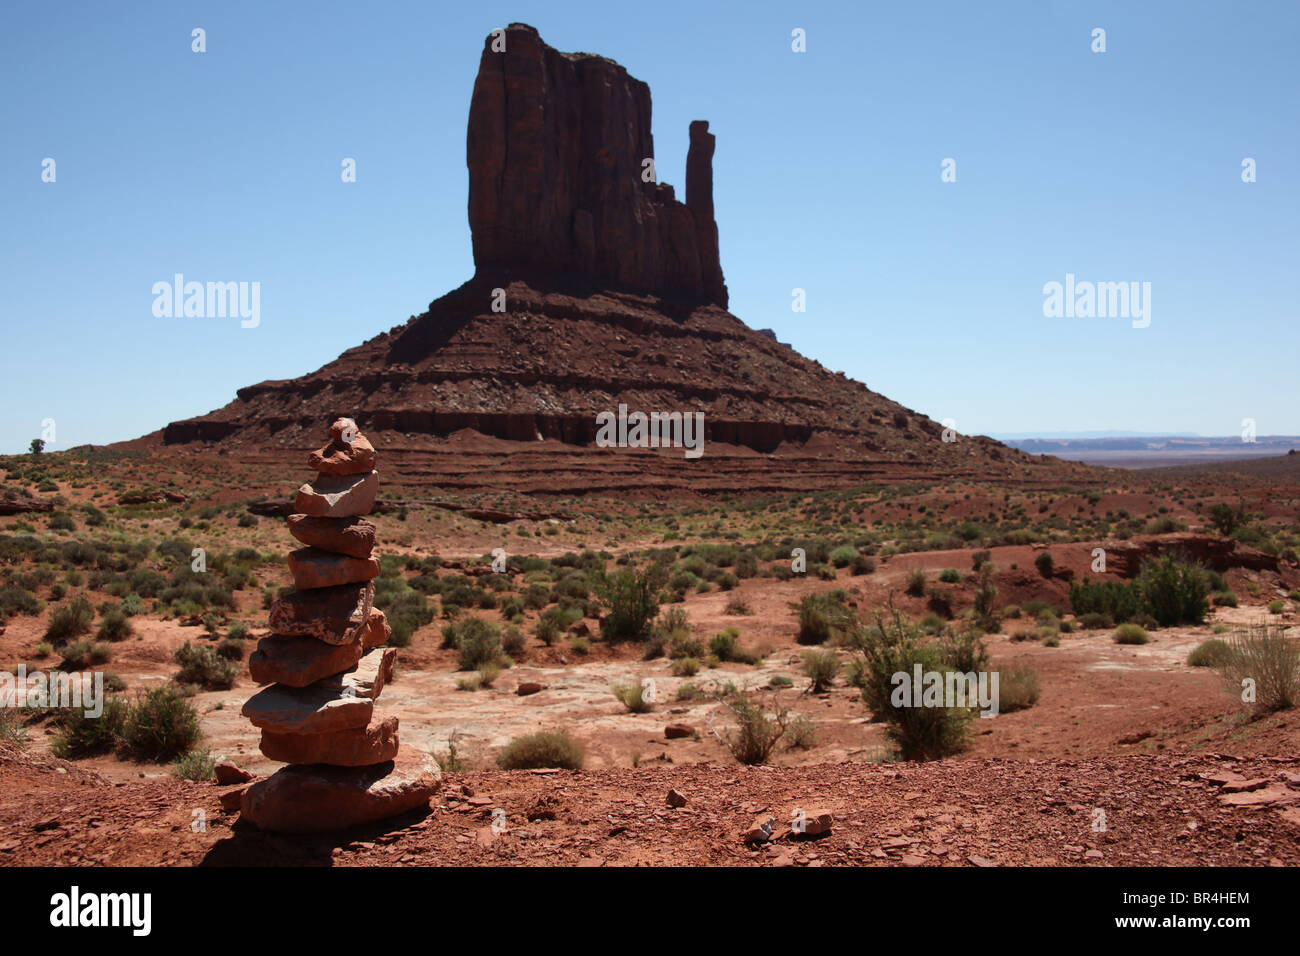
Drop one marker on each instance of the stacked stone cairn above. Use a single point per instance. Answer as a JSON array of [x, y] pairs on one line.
[[327, 665]]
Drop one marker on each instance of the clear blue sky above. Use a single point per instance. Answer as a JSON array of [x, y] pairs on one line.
[[1115, 167]]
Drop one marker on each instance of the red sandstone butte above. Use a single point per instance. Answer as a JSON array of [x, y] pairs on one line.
[[556, 149]]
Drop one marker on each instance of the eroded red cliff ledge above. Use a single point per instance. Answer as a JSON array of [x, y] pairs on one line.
[[556, 151]]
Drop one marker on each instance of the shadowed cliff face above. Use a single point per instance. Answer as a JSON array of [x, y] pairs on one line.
[[557, 150]]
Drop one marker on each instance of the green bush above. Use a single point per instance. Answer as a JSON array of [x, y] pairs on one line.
[[1223, 599], [1044, 563], [756, 734], [1018, 689], [200, 665], [631, 600], [1268, 657], [477, 640], [1119, 601], [919, 733], [114, 626], [843, 556], [197, 765], [1096, 621], [69, 621], [160, 725], [632, 696], [820, 667], [1210, 653], [1130, 633], [821, 617], [15, 600], [916, 582], [950, 576], [82, 654], [82, 736], [1173, 592], [541, 751]]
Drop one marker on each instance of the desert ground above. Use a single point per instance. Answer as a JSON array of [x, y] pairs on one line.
[[1107, 753]]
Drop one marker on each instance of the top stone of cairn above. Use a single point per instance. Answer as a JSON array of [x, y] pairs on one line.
[[348, 451]]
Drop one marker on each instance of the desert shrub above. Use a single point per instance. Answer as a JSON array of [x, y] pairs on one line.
[[1096, 621], [160, 725], [920, 733], [820, 667], [512, 642], [939, 604], [197, 765], [686, 667], [979, 558], [683, 645], [950, 576], [60, 521], [1130, 633], [631, 598], [1173, 592], [13, 732], [81, 654], [580, 645], [800, 734], [16, 600], [69, 620], [477, 640], [1044, 563], [986, 593], [1210, 653], [200, 665], [230, 649], [114, 626], [843, 556], [1275, 607], [1018, 689], [1223, 599], [1268, 657], [406, 609], [821, 617], [746, 565], [1118, 600], [488, 672], [964, 650], [862, 564], [737, 606], [632, 696], [723, 644], [541, 751], [44, 649], [756, 733], [916, 582], [83, 736]]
